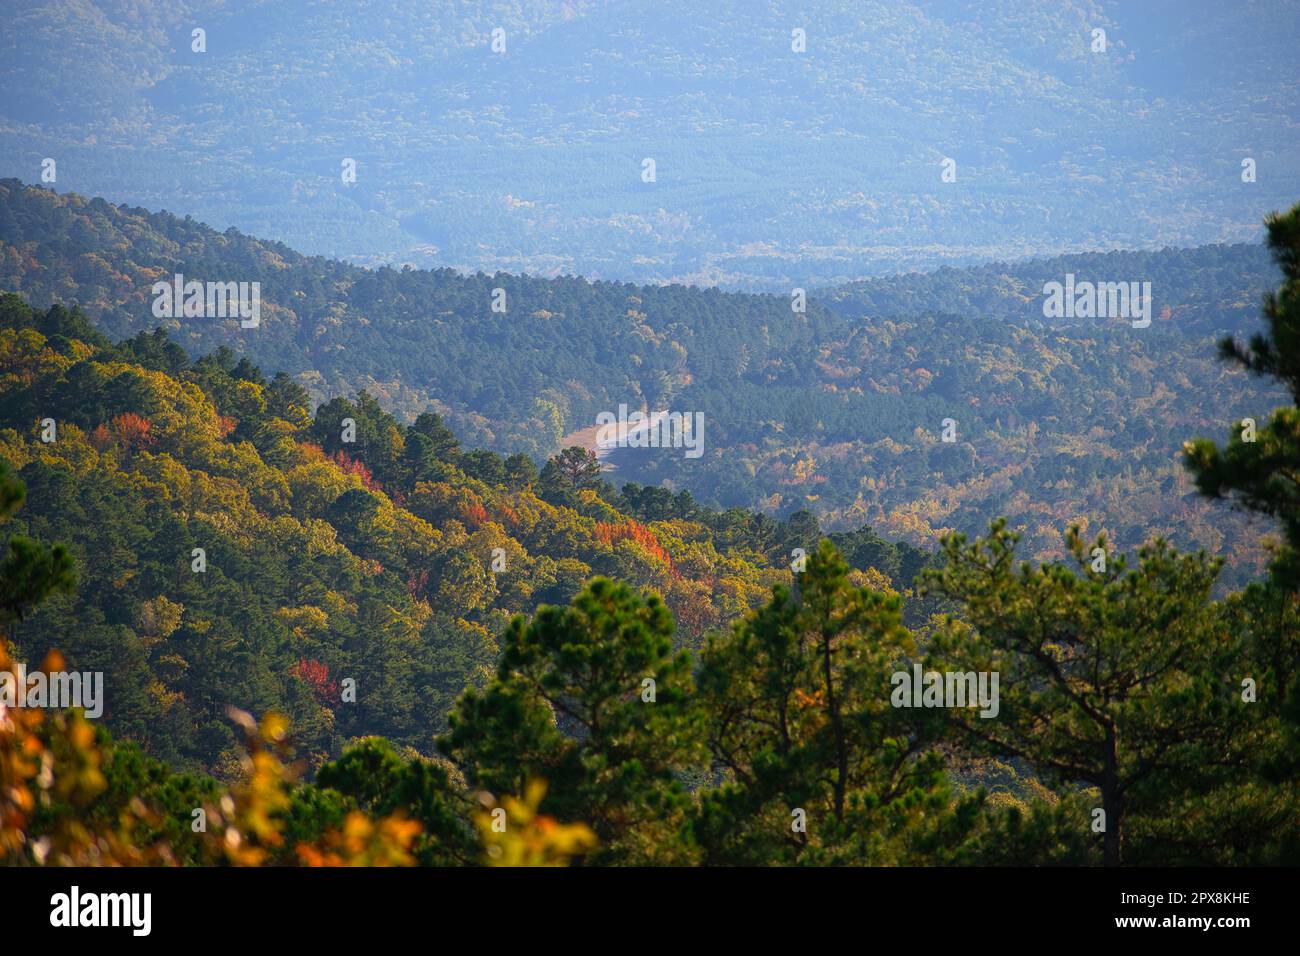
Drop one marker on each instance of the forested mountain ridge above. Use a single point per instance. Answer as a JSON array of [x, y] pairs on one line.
[[394, 560], [838, 409], [1205, 289], [515, 381]]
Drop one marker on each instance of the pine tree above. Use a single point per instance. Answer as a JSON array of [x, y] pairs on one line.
[[593, 700], [818, 767], [1121, 679], [30, 571], [579, 465], [1262, 470]]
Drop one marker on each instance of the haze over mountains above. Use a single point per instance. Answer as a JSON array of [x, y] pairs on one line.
[[774, 168]]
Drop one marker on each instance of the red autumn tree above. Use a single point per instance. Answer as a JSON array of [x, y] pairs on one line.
[[352, 466], [610, 534], [316, 676], [132, 431]]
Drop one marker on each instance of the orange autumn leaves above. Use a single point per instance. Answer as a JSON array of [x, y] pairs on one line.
[[50, 760], [515, 834], [609, 534], [128, 431]]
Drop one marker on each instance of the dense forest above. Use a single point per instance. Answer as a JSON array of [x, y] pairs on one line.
[[477, 660], [394, 559], [838, 410]]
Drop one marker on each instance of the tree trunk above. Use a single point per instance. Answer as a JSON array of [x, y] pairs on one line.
[[837, 727], [1112, 802]]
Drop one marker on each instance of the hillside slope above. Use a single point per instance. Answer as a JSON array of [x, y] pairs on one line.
[[840, 409], [393, 561]]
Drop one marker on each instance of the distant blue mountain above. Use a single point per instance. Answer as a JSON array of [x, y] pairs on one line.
[[773, 168]]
